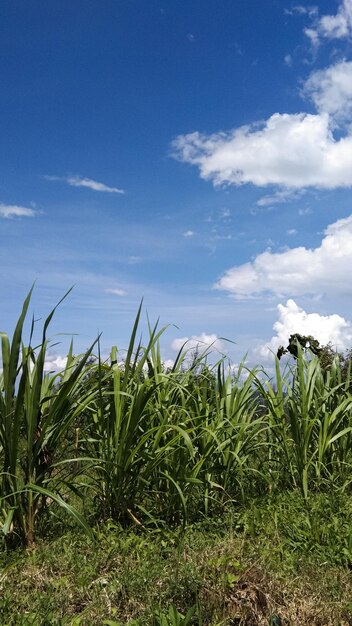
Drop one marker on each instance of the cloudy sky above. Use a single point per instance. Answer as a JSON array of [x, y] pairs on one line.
[[195, 153]]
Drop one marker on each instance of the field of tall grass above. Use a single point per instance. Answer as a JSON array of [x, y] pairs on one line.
[[135, 493], [127, 440]]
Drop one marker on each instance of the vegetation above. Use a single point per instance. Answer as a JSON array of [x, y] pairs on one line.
[[267, 560], [221, 486]]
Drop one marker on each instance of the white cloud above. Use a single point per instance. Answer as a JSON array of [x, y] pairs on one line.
[[12, 210], [280, 196], [201, 342], [291, 231], [288, 60], [301, 10], [188, 233], [337, 26], [116, 291], [289, 150], [331, 90], [292, 319], [305, 211], [313, 36], [225, 214], [133, 260], [55, 363], [168, 363], [297, 271], [78, 181]]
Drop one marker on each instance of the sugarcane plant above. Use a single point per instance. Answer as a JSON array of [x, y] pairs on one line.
[[36, 414]]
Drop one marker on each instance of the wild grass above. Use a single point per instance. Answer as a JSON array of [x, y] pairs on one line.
[[139, 443], [36, 414], [262, 562], [144, 460]]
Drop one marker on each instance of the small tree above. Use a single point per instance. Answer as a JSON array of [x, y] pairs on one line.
[[306, 342], [327, 354]]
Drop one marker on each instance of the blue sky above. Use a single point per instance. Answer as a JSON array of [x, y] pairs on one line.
[[195, 153]]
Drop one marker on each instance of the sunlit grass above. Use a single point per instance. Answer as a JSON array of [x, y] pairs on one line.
[[132, 441]]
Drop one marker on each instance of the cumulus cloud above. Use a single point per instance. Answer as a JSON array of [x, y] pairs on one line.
[[331, 91], [168, 363], [297, 271], [200, 342], [78, 181], [188, 233], [289, 150], [292, 319], [337, 26], [12, 210], [55, 363]]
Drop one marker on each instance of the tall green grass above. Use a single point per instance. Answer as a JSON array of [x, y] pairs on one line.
[[36, 412], [309, 417], [142, 444]]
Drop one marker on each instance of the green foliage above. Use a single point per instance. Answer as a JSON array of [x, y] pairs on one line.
[[275, 557], [328, 355], [174, 618], [127, 440], [35, 417], [299, 342], [309, 413]]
